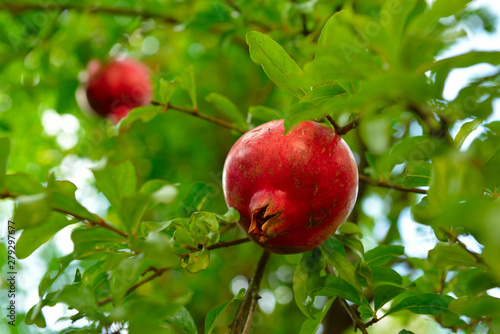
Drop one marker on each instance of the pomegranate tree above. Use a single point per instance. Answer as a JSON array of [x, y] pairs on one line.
[[115, 88], [292, 190]]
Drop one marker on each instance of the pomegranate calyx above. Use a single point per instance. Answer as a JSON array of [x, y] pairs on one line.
[[264, 221]]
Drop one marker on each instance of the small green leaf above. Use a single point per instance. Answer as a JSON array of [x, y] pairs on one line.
[[49, 279], [276, 62], [204, 228], [35, 316], [265, 113], [132, 210], [310, 265], [123, 276], [344, 268], [231, 216], [426, 303], [452, 255], [349, 228], [167, 89], [144, 114], [311, 326], [465, 131], [197, 261], [476, 307], [382, 254], [22, 184], [404, 331], [417, 174], [226, 106], [214, 315], [323, 92], [385, 275], [35, 236], [352, 242], [4, 157], [384, 293], [31, 210], [189, 85], [116, 182], [184, 321], [95, 240], [332, 286], [71, 206]]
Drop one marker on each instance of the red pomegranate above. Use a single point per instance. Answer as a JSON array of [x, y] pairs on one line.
[[117, 87], [293, 191]]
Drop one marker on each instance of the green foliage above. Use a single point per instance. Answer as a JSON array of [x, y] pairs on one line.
[[142, 199]]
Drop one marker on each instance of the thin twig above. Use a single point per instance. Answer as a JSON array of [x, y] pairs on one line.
[[357, 321], [244, 315], [97, 221], [477, 257], [385, 184], [157, 272], [342, 130], [196, 113], [120, 11], [220, 244]]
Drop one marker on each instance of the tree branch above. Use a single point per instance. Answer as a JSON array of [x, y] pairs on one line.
[[342, 130], [220, 244], [244, 315], [478, 257], [121, 11], [385, 184], [157, 272], [97, 221], [195, 113], [357, 321]]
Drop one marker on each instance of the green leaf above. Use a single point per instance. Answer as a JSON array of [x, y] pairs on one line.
[[35, 316], [349, 228], [214, 315], [384, 293], [352, 242], [4, 157], [31, 210], [404, 331], [123, 276], [95, 240], [452, 255], [465, 131], [476, 307], [231, 216], [265, 113], [311, 326], [35, 236], [116, 182], [226, 106], [382, 254], [310, 265], [22, 184], [197, 261], [344, 268], [332, 286], [385, 275], [132, 210], [189, 85], [417, 174], [158, 247], [144, 114], [195, 199], [426, 303], [167, 89], [276, 62], [49, 279], [204, 228], [71, 206], [184, 321], [323, 92]]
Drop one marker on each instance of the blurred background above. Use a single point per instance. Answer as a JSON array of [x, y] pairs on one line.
[[44, 51]]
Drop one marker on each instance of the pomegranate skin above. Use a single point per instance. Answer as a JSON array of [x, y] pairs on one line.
[[292, 191], [118, 87]]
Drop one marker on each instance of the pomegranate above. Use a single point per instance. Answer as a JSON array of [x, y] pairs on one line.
[[117, 87], [292, 191]]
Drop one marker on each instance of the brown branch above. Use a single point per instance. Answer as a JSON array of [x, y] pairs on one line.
[[97, 221], [385, 184], [477, 257], [220, 244], [244, 315], [157, 272], [121, 11], [342, 130], [357, 321], [199, 115]]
